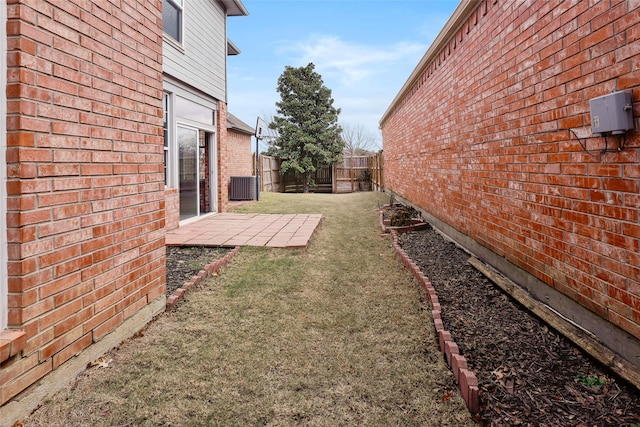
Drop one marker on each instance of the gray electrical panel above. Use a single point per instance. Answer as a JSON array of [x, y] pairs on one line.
[[612, 113]]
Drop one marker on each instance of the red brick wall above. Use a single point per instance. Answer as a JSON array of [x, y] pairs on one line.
[[224, 155], [240, 156], [85, 178], [482, 142], [172, 208]]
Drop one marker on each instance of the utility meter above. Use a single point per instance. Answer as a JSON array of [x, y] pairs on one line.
[[611, 113]]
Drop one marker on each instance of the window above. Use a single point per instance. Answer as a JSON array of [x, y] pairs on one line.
[[178, 110], [192, 111], [172, 18], [166, 137]]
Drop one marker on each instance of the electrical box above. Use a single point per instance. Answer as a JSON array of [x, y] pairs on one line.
[[612, 113]]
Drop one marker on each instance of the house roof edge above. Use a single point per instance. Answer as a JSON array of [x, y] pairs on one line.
[[234, 7], [457, 19]]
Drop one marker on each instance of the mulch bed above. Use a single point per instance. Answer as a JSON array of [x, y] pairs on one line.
[[184, 262], [527, 373]]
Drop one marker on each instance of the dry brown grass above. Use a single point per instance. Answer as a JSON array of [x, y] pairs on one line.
[[331, 335]]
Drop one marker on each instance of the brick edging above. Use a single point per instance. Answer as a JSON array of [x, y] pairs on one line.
[[213, 268], [464, 377], [12, 342]]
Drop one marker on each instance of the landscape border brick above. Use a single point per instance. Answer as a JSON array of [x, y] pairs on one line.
[[465, 378], [211, 269]]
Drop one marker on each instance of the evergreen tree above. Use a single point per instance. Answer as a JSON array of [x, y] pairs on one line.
[[306, 122]]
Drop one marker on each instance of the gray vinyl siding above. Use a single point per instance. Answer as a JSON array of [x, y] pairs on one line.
[[201, 62]]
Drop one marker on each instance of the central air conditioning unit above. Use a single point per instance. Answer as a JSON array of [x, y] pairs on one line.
[[242, 188]]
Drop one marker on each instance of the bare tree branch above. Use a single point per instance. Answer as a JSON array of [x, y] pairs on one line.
[[358, 142]]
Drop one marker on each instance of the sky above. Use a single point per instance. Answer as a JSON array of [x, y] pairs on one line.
[[364, 50]]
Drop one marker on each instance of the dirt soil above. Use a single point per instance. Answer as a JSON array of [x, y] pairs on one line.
[[399, 215], [184, 262], [527, 373]]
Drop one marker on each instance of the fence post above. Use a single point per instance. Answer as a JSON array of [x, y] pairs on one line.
[[334, 178], [260, 171]]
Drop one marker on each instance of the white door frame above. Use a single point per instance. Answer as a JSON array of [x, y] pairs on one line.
[[213, 170], [182, 125]]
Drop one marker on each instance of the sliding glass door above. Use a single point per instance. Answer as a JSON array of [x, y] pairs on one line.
[[189, 181], [190, 151]]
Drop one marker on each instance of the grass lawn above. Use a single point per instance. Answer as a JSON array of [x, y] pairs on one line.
[[331, 335]]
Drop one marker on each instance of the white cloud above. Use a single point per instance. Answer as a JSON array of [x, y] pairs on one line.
[[348, 62]]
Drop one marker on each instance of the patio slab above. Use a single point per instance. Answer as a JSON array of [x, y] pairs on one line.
[[252, 229]]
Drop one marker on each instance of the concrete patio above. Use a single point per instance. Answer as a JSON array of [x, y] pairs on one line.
[[252, 229]]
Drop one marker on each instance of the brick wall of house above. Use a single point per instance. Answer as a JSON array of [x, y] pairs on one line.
[[493, 138], [85, 178], [240, 155], [224, 156], [172, 208]]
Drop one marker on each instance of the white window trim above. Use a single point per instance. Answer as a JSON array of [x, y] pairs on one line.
[[183, 125], [174, 121], [4, 289], [172, 162], [177, 165], [180, 89], [174, 88], [177, 43], [194, 124]]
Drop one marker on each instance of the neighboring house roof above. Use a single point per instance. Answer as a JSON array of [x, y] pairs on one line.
[[238, 125], [234, 7]]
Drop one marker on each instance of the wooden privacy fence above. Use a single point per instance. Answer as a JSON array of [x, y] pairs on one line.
[[355, 173], [270, 179], [376, 166], [321, 179], [352, 175]]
